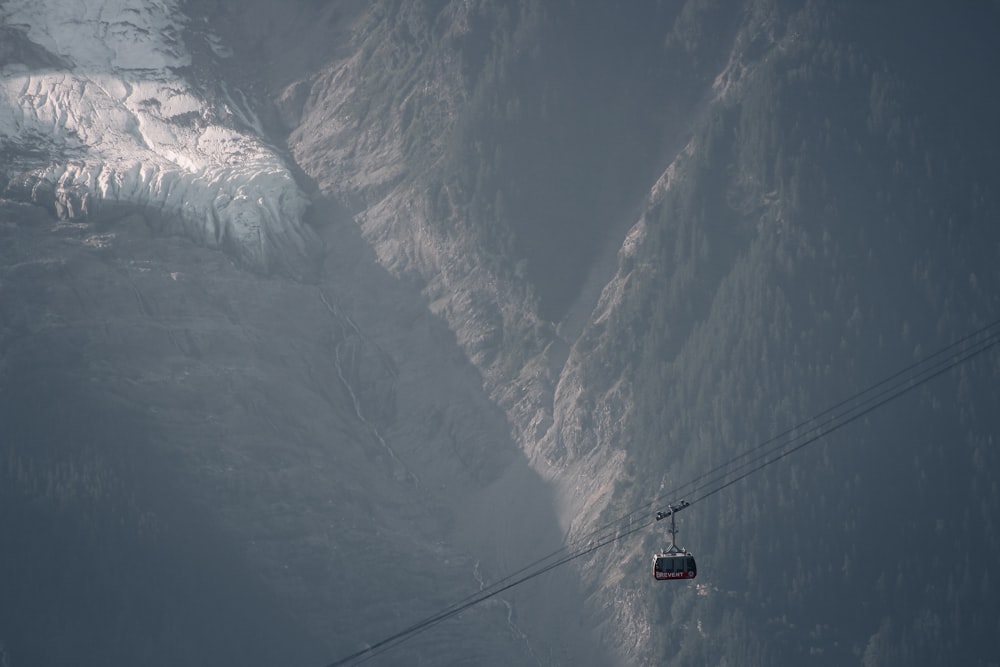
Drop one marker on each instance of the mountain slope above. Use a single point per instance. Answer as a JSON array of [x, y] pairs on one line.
[[816, 239], [110, 92], [515, 272], [805, 232]]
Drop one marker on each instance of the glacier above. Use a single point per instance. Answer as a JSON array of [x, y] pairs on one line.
[[97, 109]]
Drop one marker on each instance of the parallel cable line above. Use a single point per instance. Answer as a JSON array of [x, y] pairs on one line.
[[720, 477]]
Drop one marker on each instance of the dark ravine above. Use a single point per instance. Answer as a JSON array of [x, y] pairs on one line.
[[559, 260]]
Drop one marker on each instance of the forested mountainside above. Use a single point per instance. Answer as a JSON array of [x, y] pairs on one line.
[[833, 223], [515, 270]]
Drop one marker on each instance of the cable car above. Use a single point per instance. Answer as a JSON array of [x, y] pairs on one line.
[[674, 565], [673, 562]]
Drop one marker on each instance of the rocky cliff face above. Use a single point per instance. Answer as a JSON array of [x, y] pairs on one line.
[[397, 297], [353, 474]]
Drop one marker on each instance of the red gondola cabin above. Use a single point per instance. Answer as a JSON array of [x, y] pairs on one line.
[[674, 565]]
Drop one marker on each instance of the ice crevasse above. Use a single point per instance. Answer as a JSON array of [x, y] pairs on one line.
[[93, 111]]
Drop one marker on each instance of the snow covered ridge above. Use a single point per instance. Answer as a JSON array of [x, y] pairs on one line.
[[94, 109]]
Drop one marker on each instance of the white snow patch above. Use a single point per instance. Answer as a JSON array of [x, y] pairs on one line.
[[138, 132], [106, 34]]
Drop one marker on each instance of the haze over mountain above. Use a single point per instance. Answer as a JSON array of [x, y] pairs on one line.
[[317, 318]]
